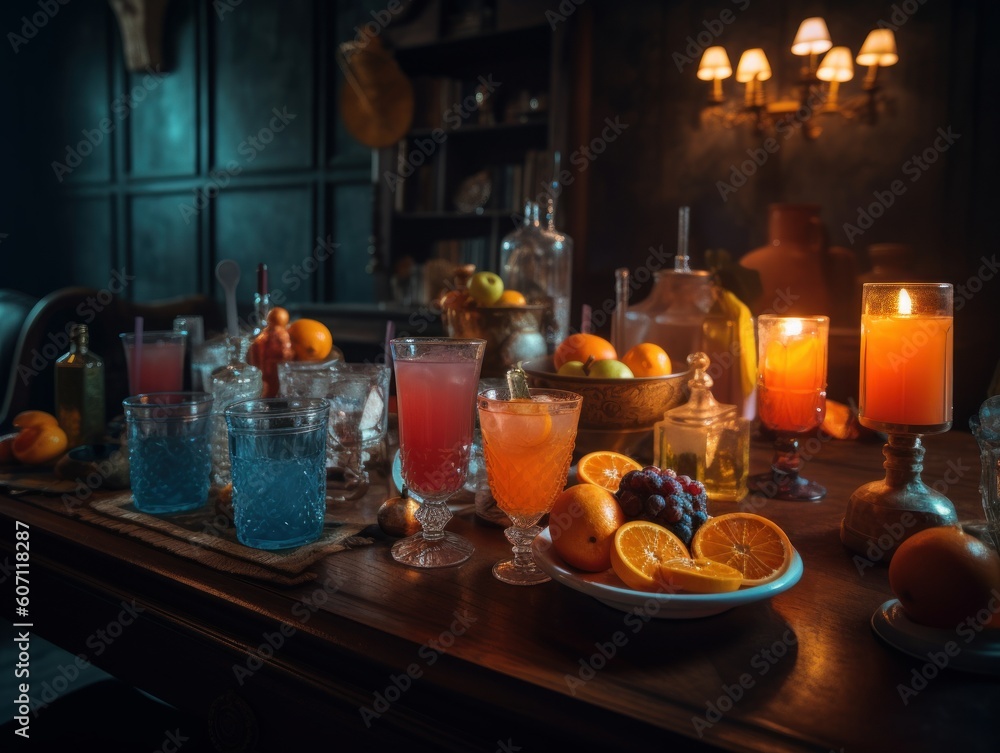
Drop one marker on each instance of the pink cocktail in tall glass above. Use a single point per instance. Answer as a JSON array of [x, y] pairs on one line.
[[158, 365], [436, 381]]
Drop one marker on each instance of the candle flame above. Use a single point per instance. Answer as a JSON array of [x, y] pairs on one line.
[[791, 327], [905, 306]]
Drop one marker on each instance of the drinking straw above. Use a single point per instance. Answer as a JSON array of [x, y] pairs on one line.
[[682, 262], [137, 354], [585, 319], [390, 332], [621, 308]]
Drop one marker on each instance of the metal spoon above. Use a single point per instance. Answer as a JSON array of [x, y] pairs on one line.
[[227, 272]]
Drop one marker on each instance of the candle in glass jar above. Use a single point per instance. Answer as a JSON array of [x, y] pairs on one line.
[[792, 372], [906, 358]]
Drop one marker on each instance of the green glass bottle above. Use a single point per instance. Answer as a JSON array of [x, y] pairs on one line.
[[80, 390]]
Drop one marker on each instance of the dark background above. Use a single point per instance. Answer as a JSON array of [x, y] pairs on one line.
[[122, 208]]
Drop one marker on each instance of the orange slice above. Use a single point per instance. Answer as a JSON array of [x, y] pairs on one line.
[[752, 544], [605, 468], [700, 576], [639, 549]]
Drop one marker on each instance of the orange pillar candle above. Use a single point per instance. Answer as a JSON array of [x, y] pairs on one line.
[[791, 373], [906, 357]]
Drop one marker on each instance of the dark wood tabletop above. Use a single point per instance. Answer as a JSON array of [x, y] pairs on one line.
[[373, 653]]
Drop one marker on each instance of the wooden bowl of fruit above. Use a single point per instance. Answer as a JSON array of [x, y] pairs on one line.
[[510, 326], [615, 400]]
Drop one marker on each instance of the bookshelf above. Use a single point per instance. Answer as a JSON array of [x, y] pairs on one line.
[[489, 115]]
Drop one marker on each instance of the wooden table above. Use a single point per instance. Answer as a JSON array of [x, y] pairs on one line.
[[375, 654]]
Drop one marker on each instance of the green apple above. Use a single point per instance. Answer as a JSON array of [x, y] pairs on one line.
[[572, 368], [485, 288], [610, 369]]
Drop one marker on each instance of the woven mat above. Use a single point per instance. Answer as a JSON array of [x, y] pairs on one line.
[[209, 537]]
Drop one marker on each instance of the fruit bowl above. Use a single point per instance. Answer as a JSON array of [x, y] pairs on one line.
[[617, 414], [512, 333], [615, 405]]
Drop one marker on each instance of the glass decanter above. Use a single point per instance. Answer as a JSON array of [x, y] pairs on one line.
[[229, 384], [538, 262], [705, 440]]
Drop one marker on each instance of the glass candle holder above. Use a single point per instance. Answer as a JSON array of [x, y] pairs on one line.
[[905, 391], [791, 398]]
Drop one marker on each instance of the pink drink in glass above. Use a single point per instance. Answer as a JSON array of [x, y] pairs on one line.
[[434, 402], [161, 363]]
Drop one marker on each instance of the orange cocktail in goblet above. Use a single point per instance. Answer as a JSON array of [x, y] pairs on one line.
[[528, 446]]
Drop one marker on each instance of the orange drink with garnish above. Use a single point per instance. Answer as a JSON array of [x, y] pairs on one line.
[[528, 446]]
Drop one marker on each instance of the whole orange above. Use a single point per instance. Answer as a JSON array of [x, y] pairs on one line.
[[580, 347], [511, 298], [311, 340], [582, 523], [647, 360], [943, 576]]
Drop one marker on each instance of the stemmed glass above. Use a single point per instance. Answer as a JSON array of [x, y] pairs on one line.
[[528, 446], [436, 381], [791, 398]]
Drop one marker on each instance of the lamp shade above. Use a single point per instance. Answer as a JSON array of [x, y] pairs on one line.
[[836, 66], [812, 37], [753, 65], [714, 64], [879, 48]]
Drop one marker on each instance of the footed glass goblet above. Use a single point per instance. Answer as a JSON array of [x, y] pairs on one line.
[[436, 381], [528, 447]]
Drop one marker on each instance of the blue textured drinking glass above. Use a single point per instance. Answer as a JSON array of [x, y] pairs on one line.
[[277, 447], [168, 449]]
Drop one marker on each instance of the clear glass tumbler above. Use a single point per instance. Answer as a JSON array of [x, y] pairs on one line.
[[348, 393]]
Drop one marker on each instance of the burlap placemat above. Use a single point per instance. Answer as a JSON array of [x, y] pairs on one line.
[[207, 536]]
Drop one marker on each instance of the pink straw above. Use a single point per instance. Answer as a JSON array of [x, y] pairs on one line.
[[137, 354], [585, 319]]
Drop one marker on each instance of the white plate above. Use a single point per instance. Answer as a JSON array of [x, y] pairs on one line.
[[608, 589], [973, 652]]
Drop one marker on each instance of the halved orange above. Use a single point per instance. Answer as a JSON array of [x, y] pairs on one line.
[[752, 544], [700, 576], [29, 418], [638, 551], [605, 468]]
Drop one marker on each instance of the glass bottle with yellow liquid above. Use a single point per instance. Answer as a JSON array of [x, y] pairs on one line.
[[79, 378], [705, 440]]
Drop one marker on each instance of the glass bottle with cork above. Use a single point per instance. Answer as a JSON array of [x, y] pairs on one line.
[[79, 392], [705, 439]]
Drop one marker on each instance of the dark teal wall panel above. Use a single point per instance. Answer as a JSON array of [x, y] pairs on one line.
[[352, 208], [85, 246], [82, 100], [264, 79], [274, 227], [163, 119], [164, 248]]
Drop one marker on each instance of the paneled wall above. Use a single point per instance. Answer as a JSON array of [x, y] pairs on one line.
[[234, 151]]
